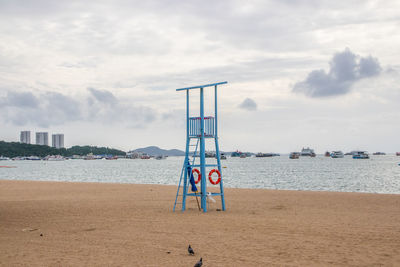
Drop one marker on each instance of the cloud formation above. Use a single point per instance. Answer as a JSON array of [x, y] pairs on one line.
[[346, 68], [51, 108], [248, 104]]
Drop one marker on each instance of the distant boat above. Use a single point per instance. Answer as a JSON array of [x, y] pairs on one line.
[[294, 155], [337, 154], [327, 154], [397, 153], [33, 158], [237, 153], [243, 155], [264, 155], [379, 153], [4, 158], [54, 158], [307, 152], [360, 155], [159, 157], [223, 156], [209, 154]]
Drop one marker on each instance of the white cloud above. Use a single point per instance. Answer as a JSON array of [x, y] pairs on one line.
[[346, 68], [248, 104], [133, 54]]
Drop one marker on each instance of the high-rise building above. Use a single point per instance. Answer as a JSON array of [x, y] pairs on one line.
[[42, 138], [25, 137], [57, 140]]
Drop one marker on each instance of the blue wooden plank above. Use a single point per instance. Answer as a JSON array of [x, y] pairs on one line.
[[200, 86]]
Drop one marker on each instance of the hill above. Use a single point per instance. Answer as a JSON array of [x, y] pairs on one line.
[[14, 149], [154, 151]]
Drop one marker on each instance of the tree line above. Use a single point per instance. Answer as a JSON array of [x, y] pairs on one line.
[[16, 149]]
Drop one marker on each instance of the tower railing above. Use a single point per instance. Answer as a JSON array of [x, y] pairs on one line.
[[195, 127]]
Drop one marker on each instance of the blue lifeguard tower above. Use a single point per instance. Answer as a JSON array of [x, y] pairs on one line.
[[198, 129]]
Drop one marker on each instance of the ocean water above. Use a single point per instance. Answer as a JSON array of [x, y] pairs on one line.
[[379, 174]]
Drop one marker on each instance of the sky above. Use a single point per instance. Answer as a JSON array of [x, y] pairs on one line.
[[319, 74]]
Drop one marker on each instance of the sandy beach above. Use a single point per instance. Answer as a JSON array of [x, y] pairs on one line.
[[94, 224]]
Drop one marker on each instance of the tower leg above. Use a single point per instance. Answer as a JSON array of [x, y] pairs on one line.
[[202, 155], [221, 184], [184, 184]]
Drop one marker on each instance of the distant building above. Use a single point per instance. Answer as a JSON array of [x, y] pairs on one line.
[[57, 140], [42, 138], [25, 137]]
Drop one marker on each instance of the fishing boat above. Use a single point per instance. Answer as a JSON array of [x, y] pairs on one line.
[[32, 158], [266, 155], [360, 155], [379, 153], [210, 154], [237, 153], [337, 154], [308, 152], [54, 158], [294, 155]]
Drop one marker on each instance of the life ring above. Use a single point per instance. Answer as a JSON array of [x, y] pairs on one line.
[[210, 177], [198, 175]]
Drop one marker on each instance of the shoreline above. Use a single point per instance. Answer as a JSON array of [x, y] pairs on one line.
[[90, 223], [225, 187]]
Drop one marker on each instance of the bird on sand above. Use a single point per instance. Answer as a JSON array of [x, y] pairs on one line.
[[190, 250], [199, 263]]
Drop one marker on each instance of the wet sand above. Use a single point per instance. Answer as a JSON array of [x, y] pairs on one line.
[[94, 224]]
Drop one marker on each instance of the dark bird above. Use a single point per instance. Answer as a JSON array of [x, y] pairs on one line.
[[190, 250], [199, 263]]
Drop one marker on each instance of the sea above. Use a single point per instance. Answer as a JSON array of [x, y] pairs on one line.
[[379, 174]]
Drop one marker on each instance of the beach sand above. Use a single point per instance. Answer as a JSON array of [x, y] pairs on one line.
[[94, 224]]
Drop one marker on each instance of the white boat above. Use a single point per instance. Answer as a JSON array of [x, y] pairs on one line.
[[54, 158], [4, 158], [337, 154], [210, 154], [360, 155], [294, 155], [32, 158], [307, 152]]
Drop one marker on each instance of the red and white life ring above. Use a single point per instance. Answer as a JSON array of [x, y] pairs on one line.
[[198, 175], [210, 177]]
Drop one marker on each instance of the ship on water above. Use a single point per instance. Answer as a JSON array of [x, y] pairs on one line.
[[337, 154], [307, 152], [266, 155], [360, 155]]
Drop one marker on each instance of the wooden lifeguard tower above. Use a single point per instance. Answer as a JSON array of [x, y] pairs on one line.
[[198, 129]]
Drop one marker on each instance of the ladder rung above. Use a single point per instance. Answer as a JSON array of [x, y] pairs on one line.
[[207, 165]]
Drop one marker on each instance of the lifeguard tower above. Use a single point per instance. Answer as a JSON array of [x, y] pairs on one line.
[[198, 129]]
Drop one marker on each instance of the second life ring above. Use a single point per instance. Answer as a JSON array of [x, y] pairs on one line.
[[210, 177], [198, 175]]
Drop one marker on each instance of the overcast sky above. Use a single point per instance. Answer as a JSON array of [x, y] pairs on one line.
[[324, 74]]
